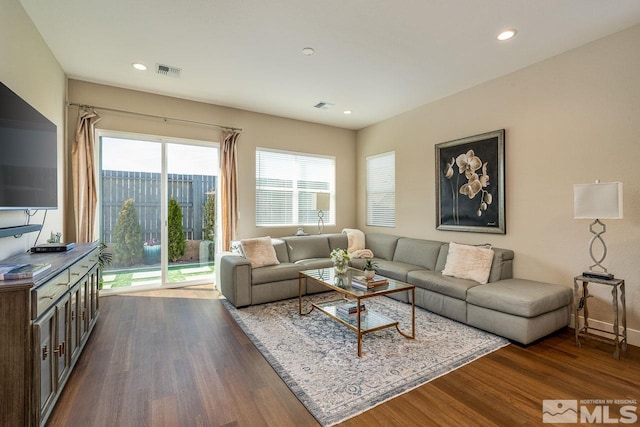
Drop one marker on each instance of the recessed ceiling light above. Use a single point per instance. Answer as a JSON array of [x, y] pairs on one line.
[[139, 66], [347, 112], [308, 51], [507, 34]]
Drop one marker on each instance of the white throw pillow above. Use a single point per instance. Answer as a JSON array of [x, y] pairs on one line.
[[259, 251], [469, 262]]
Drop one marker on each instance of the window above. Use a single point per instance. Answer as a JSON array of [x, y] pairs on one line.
[[286, 183], [381, 190]]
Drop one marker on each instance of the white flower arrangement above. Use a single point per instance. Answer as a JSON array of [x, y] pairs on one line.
[[340, 256]]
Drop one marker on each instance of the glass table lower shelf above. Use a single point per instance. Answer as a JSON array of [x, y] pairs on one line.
[[369, 320]]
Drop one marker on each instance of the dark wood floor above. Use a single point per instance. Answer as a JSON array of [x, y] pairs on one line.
[[176, 358]]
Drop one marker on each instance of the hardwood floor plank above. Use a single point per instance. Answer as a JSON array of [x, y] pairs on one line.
[[175, 357]]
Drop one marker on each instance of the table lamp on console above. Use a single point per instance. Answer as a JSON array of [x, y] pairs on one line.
[[321, 204], [600, 200]]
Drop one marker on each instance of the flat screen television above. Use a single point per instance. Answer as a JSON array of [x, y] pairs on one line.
[[28, 156]]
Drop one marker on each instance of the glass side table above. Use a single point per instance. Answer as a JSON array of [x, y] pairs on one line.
[[580, 304]]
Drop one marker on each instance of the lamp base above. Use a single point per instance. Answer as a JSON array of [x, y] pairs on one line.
[[598, 275]]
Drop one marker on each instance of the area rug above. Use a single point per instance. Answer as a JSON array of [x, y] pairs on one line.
[[317, 356]]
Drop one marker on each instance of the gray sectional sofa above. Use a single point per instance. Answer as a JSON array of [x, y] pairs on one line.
[[518, 309]]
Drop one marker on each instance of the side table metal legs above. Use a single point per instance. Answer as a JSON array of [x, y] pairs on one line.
[[620, 342]]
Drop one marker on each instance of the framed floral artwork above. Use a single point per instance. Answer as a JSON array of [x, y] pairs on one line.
[[470, 184]]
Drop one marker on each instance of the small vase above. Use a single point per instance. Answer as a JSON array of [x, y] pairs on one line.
[[341, 268], [368, 274]]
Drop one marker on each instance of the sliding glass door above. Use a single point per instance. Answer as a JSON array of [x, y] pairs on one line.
[[158, 210]]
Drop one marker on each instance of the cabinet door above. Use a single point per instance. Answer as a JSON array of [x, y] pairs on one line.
[[94, 285], [43, 363], [83, 307], [74, 322], [60, 351]]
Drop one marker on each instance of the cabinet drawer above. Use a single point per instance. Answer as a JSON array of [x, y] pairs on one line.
[[46, 295], [80, 268]]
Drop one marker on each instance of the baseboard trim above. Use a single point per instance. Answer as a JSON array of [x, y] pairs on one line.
[[633, 335]]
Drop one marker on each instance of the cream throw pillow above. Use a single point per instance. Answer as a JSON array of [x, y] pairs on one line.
[[469, 262], [259, 251]]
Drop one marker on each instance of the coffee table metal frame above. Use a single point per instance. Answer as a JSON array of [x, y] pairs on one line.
[[360, 323]]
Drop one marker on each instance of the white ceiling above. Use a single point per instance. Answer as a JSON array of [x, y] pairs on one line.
[[378, 58]]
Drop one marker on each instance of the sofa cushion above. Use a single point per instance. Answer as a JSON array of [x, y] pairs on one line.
[[305, 247], [469, 262], [338, 241], [520, 297], [445, 285], [281, 250], [275, 273], [313, 263], [501, 267], [382, 245], [393, 269], [259, 251], [417, 252]]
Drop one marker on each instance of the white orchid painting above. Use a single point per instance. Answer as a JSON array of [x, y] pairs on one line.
[[470, 183]]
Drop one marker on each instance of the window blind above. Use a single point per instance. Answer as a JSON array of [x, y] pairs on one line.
[[286, 183], [381, 190]]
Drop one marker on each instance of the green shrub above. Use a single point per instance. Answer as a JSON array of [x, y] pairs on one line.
[[209, 226], [127, 236], [177, 241]]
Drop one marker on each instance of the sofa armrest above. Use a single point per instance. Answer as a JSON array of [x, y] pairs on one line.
[[235, 279]]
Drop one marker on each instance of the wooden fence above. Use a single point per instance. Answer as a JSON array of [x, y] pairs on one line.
[[190, 191]]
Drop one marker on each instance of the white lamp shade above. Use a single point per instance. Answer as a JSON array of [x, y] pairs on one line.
[[600, 200], [321, 202]]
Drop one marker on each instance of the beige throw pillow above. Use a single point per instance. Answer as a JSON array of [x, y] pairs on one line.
[[259, 251], [469, 262]]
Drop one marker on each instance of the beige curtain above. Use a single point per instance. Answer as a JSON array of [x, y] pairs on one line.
[[229, 187], [83, 169]]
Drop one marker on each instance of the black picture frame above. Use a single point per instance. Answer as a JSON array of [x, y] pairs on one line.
[[470, 187]]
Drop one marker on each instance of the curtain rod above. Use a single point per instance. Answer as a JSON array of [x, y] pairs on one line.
[[155, 117]]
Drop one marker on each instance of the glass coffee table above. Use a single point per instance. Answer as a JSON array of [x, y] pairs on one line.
[[361, 323]]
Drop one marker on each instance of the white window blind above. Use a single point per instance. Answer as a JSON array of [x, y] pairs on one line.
[[286, 184], [381, 190]]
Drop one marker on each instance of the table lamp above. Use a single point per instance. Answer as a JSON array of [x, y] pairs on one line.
[[321, 203], [600, 200]]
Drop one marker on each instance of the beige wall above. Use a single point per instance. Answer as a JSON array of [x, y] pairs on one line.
[[30, 70], [571, 119], [259, 130]]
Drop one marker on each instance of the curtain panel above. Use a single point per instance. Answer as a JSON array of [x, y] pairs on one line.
[[229, 187], [83, 168]]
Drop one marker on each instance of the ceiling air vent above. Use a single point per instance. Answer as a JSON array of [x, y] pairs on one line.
[[168, 70], [323, 105]]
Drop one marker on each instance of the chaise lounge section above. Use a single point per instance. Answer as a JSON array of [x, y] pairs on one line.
[[518, 309]]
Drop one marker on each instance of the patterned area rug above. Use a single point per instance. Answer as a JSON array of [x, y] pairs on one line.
[[317, 356]]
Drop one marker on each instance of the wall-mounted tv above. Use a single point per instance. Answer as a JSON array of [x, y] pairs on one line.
[[28, 156]]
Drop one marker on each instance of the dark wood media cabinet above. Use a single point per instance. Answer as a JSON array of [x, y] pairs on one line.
[[44, 325]]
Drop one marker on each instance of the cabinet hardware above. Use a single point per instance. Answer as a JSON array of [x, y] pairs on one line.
[[84, 314], [75, 274], [73, 315], [45, 352], [48, 296]]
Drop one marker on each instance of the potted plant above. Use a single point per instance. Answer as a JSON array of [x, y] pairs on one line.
[[369, 268], [151, 252]]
